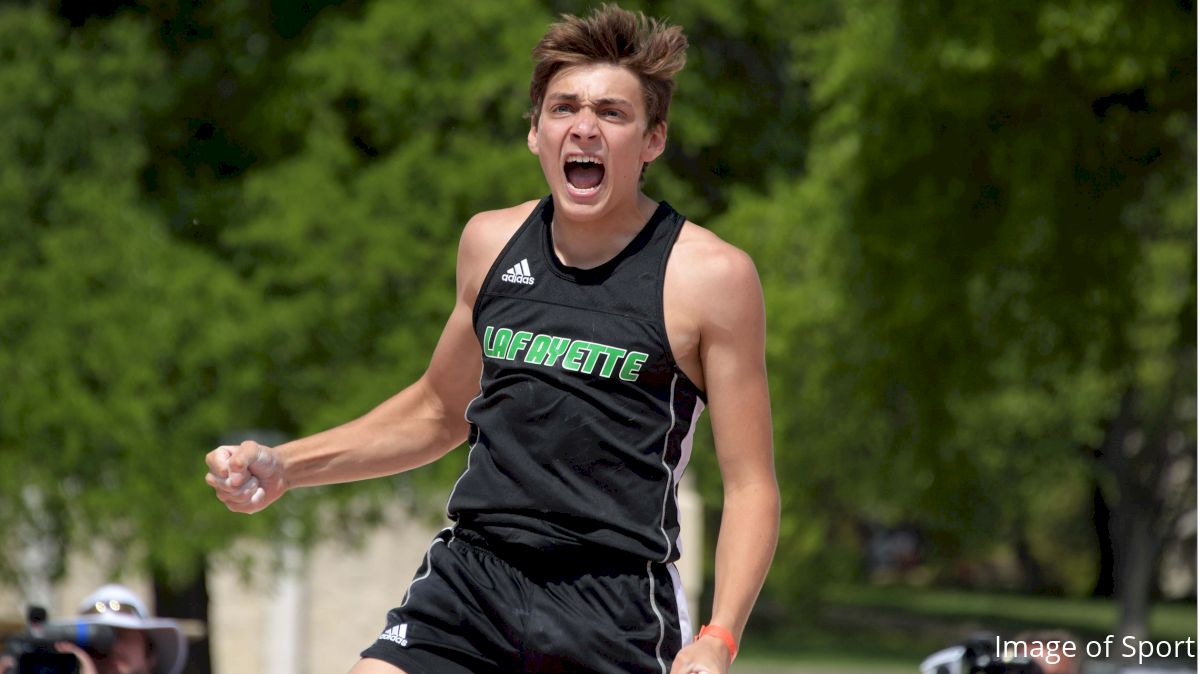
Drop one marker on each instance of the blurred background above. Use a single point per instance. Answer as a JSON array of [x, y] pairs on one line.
[[975, 224]]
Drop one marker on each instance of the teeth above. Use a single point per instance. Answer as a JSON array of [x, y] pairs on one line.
[[584, 160]]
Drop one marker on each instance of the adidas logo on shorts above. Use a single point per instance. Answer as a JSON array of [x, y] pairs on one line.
[[519, 273], [397, 634]]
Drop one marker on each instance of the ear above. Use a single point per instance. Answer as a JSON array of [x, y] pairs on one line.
[[654, 142], [531, 140]]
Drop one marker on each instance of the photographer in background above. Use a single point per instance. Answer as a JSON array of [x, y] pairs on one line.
[[144, 644]]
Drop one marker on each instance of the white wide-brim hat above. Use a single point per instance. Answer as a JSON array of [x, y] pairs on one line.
[[117, 606]]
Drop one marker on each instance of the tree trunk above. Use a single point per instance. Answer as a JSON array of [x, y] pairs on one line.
[[1134, 459], [1033, 581], [187, 602], [1136, 565], [1102, 521]]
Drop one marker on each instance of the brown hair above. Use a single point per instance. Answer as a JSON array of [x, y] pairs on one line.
[[651, 49]]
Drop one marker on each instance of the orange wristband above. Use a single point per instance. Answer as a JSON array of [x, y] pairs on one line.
[[722, 634]]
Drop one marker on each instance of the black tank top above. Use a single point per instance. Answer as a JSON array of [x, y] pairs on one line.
[[584, 422]]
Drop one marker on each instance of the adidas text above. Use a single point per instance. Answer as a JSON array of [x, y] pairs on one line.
[[519, 273], [397, 634]]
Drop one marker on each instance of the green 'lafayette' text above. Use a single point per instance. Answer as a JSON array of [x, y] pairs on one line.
[[575, 355]]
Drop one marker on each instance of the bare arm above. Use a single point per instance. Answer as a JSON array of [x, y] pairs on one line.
[[735, 372], [412, 428], [416, 426], [732, 344]]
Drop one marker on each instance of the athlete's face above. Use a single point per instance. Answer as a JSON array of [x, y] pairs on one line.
[[592, 140]]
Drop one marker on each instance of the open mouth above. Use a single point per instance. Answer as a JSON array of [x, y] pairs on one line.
[[584, 173]]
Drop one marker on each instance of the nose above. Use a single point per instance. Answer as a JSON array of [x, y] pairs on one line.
[[585, 124]]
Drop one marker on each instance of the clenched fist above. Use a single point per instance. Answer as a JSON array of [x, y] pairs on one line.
[[247, 477]]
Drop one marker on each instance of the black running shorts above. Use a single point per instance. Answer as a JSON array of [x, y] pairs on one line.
[[477, 607]]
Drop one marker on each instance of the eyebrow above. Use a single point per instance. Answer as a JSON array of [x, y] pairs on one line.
[[607, 100]]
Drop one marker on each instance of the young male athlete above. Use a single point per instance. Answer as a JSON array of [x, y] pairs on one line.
[[590, 330]]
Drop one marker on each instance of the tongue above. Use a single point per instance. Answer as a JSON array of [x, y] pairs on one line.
[[584, 176]]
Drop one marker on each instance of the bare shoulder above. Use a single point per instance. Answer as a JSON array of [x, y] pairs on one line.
[[712, 269], [712, 298], [483, 237], [492, 229]]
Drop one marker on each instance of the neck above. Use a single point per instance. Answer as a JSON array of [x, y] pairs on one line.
[[587, 244]]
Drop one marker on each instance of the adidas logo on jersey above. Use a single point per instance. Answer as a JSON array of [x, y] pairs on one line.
[[519, 273], [397, 634]]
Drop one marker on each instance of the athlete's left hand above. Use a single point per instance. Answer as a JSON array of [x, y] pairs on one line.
[[705, 655]]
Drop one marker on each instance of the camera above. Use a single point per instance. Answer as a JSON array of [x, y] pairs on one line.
[[33, 651], [977, 655]]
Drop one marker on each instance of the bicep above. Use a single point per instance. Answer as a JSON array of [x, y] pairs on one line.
[[431, 410], [454, 370], [451, 378], [732, 350]]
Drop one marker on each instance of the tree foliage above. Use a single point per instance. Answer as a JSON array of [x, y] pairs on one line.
[[992, 244], [119, 344]]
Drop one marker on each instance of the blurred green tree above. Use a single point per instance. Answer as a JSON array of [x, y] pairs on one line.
[[121, 346], [989, 275]]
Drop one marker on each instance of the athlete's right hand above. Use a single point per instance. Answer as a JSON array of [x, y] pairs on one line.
[[247, 477]]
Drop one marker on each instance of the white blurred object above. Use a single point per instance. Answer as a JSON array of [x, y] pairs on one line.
[[946, 661]]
